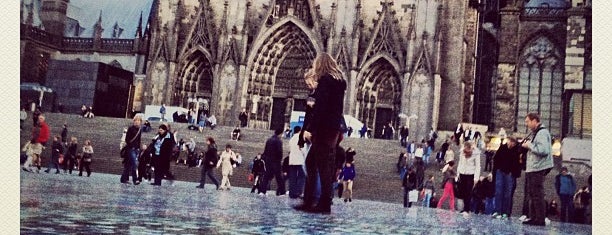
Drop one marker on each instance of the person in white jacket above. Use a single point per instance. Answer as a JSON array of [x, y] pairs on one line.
[[225, 162], [468, 173], [297, 157]]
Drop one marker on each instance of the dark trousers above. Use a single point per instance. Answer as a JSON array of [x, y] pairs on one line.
[[297, 179], [208, 171], [465, 186], [567, 207], [144, 163], [257, 181], [54, 163], [69, 162], [534, 186], [162, 168], [273, 171], [320, 161], [85, 165]]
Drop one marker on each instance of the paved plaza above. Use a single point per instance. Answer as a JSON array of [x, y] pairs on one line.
[[60, 204]]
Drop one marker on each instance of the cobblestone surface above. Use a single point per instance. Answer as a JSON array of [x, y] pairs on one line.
[[60, 204]]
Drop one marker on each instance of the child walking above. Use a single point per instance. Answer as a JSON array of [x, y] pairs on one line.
[[428, 190], [56, 149], [449, 184], [258, 171], [348, 175]]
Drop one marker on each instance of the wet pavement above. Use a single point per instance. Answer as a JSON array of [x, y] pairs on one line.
[[60, 204]]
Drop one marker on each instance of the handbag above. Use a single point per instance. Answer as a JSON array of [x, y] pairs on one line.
[[125, 151], [60, 159], [250, 177]]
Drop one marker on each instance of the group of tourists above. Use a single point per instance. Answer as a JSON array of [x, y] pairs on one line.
[[64, 153], [492, 193]]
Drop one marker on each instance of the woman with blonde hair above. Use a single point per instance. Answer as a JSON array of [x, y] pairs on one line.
[[323, 129], [86, 160]]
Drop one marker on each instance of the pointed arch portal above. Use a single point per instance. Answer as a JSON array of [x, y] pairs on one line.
[[194, 80], [276, 77], [379, 95]]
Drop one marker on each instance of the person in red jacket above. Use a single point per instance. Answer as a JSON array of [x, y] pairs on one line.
[[40, 135]]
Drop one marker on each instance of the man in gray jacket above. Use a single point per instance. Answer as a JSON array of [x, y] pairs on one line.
[[538, 164]]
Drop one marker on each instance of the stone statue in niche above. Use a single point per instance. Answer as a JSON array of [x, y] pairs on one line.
[[288, 106]]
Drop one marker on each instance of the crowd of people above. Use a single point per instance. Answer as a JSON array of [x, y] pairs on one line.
[[492, 192], [317, 164]]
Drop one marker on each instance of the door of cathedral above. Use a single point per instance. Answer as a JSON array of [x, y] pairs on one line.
[[383, 117], [278, 114]]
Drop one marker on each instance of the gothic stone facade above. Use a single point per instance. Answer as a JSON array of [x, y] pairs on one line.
[[412, 57], [544, 66]]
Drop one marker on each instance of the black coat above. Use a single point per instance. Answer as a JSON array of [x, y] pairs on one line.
[[329, 104], [507, 160], [132, 132], [273, 152], [410, 181], [259, 167], [211, 156]]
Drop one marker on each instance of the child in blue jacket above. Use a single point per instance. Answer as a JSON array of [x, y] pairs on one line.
[[348, 175]]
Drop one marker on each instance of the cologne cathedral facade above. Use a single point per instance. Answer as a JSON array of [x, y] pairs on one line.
[[438, 62]]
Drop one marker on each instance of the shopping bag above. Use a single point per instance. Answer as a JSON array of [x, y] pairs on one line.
[[413, 196]]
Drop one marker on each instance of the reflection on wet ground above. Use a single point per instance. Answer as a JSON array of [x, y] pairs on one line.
[[60, 204]]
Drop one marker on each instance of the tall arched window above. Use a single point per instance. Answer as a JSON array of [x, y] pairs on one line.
[[540, 85]]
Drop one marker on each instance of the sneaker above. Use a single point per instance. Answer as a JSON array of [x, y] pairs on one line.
[[135, 183], [522, 218], [25, 169], [350, 199], [345, 200], [200, 186], [494, 215], [465, 213], [546, 221]]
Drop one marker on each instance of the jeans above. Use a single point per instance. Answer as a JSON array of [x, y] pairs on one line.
[[426, 159], [504, 183], [567, 207], [427, 199], [489, 205], [534, 182], [297, 179], [130, 166]]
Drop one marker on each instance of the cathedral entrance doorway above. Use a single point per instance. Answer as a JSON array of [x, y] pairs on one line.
[[379, 96], [277, 75], [194, 80]]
